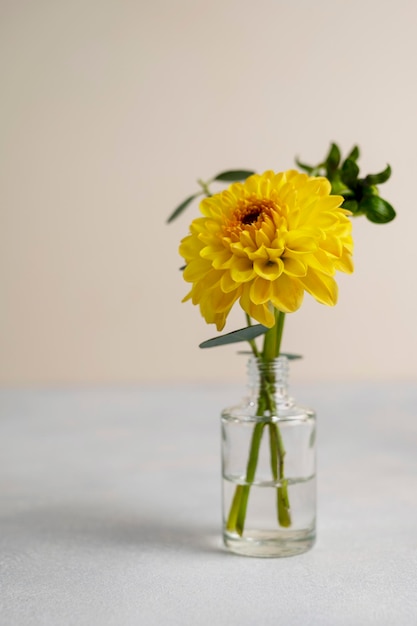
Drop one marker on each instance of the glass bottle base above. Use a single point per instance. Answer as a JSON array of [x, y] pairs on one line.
[[267, 544]]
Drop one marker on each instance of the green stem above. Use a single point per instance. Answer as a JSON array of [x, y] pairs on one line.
[[272, 346], [237, 513], [273, 337], [277, 467], [205, 187], [250, 475], [266, 401]]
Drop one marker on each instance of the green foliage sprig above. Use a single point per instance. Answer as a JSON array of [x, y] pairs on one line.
[[230, 176], [361, 194]]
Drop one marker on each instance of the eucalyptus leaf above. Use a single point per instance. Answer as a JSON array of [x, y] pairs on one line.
[[377, 210], [244, 334], [377, 179], [290, 356], [181, 207], [233, 175]]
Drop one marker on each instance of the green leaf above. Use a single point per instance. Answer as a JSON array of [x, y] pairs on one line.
[[307, 168], [354, 154], [333, 158], [244, 334], [339, 188], [181, 207], [233, 175], [350, 205], [290, 356], [349, 173], [377, 179], [377, 210]]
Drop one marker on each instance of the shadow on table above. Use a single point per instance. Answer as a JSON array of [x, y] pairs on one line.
[[80, 525]]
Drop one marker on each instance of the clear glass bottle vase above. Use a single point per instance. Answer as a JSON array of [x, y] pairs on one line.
[[268, 467]]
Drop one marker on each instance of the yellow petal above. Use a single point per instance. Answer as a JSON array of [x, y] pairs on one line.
[[262, 238], [258, 253], [298, 242], [262, 313], [227, 283], [268, 269], [196, 269], [323, 262], [238, 250], [332, 245], [345, 263], [260, 291], [221, 301], [246, 239], [190, 248], [201, 288], [322, 287], [220, 258], [242, 270], [287, 294], [294, 265]]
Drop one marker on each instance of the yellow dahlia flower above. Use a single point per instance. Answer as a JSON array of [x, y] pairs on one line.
[[264, 242]]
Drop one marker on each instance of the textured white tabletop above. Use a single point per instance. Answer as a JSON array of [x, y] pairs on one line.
[[110, 512]]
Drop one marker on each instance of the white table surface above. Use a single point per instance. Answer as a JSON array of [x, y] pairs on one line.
[[110, 512]]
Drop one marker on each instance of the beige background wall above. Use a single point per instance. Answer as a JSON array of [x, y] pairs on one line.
[[112, 109]]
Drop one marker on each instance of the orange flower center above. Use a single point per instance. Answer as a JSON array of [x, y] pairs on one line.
[[248, 214], [251, 217]]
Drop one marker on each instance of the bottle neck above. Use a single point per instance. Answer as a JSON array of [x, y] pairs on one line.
[[268, 383]]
